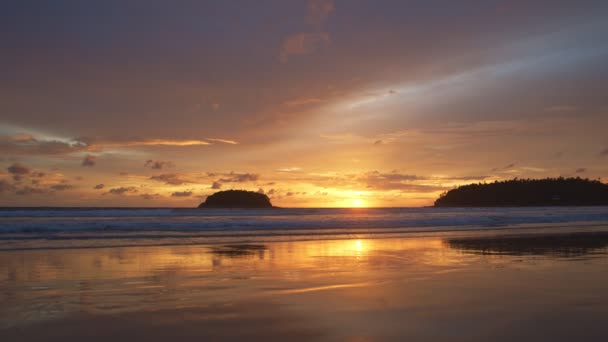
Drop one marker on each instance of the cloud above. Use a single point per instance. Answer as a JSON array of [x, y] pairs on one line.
[[307, 42], [533, 169], [89, 160], [377, 139], [61, 187], [99, 186], [156, 142], [18, 171], [21, 138], [181, 194], [604, 153], [240, 178], [150, 196], [121, 191], [466, 178], [28, 190], [303, 43], [289, 169], [157, 164], [397, 181], [168, 142], [390, 177], [319, 10], [5, 186], [561, 108], [37, 174], [27, 144], [405, 187], [233, 177], [580, 170], [170, 178], [302, 102], [225, 141]]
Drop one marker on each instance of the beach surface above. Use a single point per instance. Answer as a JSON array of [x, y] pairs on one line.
[[505, 284]]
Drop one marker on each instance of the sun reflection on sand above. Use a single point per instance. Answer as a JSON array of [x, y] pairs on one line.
[[340, 281], [112, 274]]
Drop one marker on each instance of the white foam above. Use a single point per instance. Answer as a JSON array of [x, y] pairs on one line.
[[195, 220]]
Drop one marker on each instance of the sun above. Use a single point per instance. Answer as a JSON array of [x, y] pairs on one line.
[[354, 199], [358, 203]]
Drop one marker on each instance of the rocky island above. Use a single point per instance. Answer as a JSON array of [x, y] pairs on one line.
[[237, 199], [527, 192]]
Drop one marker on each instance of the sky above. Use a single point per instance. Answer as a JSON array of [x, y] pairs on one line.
[[316, 103]]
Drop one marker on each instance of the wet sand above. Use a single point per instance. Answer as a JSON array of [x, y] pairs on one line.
[[547, 286]]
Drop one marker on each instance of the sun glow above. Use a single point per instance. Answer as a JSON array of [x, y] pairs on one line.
[[358, 245], [352, 198]]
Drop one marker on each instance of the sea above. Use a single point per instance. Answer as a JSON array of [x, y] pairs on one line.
[[40, 228]]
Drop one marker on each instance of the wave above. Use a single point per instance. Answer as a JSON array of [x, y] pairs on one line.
[[49, 220]]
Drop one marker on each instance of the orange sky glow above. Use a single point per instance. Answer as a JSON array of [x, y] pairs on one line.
[[329, 104]]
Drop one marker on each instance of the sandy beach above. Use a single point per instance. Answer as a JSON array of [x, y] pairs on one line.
[[481, 286]]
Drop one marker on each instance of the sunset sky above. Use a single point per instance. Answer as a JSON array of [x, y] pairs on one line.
[[316, 103]]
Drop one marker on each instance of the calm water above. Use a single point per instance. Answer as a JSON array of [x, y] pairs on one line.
[[534, 280]]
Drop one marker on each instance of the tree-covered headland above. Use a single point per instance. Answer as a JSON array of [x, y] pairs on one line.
[[527, 192]]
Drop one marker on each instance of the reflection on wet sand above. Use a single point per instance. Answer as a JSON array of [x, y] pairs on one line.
[[435, 288], [239, 250], [559, 245]]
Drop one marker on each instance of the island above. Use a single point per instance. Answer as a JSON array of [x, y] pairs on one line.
[[527, 192], [237, 199]]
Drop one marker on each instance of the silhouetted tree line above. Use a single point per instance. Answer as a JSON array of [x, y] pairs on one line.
[[560, 245], [236, 199], [527, 192]]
